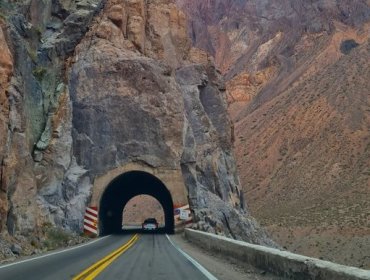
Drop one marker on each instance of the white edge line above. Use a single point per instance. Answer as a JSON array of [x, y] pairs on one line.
[[194, 262], [54, 253]]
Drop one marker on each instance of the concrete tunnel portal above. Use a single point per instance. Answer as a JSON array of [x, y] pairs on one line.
[[122, 189]]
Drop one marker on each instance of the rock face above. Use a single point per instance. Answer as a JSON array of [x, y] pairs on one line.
[[262, 47], [149, 111], [98, 84], [235, 31], [6, 69], [139, 105], [297, 86], [38, 165]]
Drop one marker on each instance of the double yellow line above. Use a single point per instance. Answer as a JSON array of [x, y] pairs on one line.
[[92, 271]]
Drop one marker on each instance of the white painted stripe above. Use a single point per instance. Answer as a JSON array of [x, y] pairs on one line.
[[91, 217], [92, 211], [194, 262], [90, 229], [91, 223], [55, 253]]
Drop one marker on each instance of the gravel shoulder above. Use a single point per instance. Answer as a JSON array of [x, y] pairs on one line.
[[221, 268]]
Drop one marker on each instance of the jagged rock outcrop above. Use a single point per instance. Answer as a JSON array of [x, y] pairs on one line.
[[98, 84], [275, 41], [37, 158], [6, 69], [230, 29], [207, 162], [149, 115]]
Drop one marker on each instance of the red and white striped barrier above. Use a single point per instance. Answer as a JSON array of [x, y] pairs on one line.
[[91, 220]]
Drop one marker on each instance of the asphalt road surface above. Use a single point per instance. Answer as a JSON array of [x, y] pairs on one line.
[[152, 258], [149, 256]]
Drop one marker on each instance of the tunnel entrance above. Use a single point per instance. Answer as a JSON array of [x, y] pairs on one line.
[[122, 189]]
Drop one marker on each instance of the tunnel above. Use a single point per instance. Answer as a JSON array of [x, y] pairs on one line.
[[125, 187]]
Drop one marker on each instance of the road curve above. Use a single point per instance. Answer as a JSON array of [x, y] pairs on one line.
[[151, 257]]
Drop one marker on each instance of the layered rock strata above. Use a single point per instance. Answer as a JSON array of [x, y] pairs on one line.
[[262, 47]]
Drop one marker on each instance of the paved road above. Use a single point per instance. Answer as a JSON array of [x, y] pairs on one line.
[[151, 257]]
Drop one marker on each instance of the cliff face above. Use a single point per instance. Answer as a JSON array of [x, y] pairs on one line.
[[230, 29], [37, 156], [297, 87], [99, 84], [264, 46], [6, 69]]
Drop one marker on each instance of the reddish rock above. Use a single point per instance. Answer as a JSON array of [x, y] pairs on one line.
[[148, 115], [6, 69], [101, 84], [296, 76]]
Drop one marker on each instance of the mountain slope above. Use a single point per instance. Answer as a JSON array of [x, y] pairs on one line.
[[306, 158], [297, 80]]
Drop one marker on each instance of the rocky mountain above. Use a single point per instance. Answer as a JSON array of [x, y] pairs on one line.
[[87, 86], [297, 81]]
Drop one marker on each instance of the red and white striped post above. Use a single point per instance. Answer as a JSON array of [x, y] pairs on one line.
[[91, 221]]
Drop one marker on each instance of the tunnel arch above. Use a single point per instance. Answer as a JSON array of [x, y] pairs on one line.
[[123, 188]]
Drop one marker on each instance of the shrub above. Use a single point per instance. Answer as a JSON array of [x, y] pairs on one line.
[[39, 73], [55, 238], [347, 45]]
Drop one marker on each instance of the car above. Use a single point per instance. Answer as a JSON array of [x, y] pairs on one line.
[[150, 224]]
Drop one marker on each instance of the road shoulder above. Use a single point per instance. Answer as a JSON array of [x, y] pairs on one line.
[[223, 269]]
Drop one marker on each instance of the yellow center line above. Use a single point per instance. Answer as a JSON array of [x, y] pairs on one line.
[[92, 271]]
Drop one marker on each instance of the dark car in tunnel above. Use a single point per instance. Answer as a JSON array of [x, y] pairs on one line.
[[150, 224]]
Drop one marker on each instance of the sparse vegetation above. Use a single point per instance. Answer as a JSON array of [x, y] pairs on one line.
[[347, 46], [6, 8], [32, 54], [55, 237], [39, 73]]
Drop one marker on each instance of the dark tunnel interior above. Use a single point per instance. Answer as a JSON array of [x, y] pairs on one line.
[[125, 187]]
